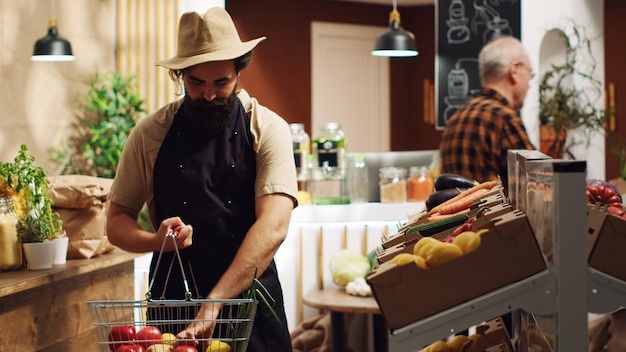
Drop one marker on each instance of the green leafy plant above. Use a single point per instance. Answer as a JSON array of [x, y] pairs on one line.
[[31, 230], [569, 92], [110, 110], [25, 182], [618, 149], [256, 291]]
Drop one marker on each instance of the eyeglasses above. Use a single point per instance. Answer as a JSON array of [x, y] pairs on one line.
[[530, 71]]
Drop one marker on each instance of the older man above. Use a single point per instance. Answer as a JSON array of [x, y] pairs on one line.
[[476, 139]]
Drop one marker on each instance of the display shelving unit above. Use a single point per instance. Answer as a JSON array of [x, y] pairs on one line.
[[568, 289]]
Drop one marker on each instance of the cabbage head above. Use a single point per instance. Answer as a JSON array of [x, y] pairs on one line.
[[347, 265]]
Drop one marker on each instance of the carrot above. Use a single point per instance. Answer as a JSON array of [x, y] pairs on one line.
[[463, 203], [441, 216], [487, 185]]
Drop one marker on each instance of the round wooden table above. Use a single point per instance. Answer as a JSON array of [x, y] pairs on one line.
[[338, 302]]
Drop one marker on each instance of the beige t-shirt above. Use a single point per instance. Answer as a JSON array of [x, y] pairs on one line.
[[276, 172]]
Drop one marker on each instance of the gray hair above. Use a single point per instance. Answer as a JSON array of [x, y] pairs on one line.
[[495, 57]]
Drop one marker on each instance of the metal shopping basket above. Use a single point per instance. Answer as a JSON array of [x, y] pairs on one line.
[[112, 320]]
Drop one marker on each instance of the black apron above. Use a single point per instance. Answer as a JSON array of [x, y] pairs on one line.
[[208, 181]]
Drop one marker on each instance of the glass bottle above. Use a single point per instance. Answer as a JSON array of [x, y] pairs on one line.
[[329, 182], [393, 185], [358, 180], [301, 150], [10, 246], [420, 184], [329, 147]]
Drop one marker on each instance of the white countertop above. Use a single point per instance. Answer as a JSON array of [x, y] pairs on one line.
[[358, 212]]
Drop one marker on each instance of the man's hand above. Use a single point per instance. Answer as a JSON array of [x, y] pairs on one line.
[[203, 325], [184, 233]]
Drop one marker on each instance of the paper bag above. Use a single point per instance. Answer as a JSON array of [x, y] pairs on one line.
[[81, 201]]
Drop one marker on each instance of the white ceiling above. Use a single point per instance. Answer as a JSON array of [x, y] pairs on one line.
[[400, 2]]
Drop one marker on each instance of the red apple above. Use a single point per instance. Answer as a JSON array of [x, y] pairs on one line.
[[121, 335], [131, 348], [149, 336], [185, 348]]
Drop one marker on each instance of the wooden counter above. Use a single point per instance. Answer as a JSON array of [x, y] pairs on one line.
[[47, 309]]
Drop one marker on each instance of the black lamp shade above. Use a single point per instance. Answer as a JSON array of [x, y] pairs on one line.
[[395, 42], [52, 48]]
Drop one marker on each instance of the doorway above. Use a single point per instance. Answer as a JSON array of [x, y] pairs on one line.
[[349, 85]]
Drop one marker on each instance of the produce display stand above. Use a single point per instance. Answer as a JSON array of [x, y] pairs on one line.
[[567, 289]]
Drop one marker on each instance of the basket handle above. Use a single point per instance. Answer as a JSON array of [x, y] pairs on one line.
[[172, 235]]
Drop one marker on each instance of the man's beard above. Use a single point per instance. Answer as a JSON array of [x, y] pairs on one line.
[[209, 117]]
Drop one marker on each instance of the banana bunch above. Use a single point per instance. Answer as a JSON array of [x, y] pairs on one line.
[[429, 252]]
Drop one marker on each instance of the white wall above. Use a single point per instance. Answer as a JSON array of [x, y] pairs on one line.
[[539, 16], [200, 6]]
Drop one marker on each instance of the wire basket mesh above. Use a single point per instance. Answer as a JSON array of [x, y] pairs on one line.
[[232, 326], [119, 323]]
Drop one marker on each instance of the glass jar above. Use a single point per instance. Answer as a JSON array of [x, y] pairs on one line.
[[329, 181], [329, 147], [301, 149], [10, 246], [420, 184], [393, 186]]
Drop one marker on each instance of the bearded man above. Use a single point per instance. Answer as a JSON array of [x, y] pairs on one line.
[[216, 168]]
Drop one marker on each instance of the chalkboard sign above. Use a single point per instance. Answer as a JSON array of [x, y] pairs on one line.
[[463, 28]]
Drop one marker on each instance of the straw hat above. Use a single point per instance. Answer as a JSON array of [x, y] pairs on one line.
[[210, 37]]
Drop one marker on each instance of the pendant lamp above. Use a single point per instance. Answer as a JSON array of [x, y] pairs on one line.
[[52, 47], [395, 42]]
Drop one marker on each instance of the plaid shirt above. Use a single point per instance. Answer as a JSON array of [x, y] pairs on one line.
[[476, 139]]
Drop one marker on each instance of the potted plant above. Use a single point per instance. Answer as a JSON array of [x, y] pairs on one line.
[[569, 95], [25, 182], [109, 110], [107, 113]]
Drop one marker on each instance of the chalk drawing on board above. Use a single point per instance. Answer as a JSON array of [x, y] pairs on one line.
[[487, 20], [458, 92], [458, 30]]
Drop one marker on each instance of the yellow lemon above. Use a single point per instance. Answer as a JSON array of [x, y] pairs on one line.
[[442, 253], [423, 245], [304, 197], [468, 241], [218, 346], [420, 262], [168, 338], [439, 346], [460, 343], [160, 347], [402, 259]]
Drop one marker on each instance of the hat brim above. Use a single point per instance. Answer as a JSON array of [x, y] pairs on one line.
[[179, 63]]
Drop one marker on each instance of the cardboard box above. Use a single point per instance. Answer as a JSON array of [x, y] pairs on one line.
[[385, 254], [422, 216], [606, 242], [493, 337], [490, 336], [508, 253], [402, 241]]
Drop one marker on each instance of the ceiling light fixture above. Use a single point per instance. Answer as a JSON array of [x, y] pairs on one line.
[[52, 47], [395, 42]]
